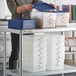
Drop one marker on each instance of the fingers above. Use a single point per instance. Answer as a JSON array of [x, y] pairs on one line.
[[24, 7], [53, 5], [28, 7]]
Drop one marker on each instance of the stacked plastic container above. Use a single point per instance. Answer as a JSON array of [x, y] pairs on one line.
[[34, 54], [48, 17], [41, 52], [55, 52], [44, 19], [62, 19]]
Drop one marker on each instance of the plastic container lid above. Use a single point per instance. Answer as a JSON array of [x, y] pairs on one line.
[[42, 6]]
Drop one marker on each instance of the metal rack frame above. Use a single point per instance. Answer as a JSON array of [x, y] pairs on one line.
[[21, 32]]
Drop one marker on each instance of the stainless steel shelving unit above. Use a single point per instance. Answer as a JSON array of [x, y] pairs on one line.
[[20, 72]]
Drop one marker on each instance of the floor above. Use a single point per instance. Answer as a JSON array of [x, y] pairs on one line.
[[71, 74], [71, 62]]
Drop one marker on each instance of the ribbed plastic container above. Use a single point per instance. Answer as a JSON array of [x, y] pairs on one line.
[[62, 19], [55, 52], [44, 19], [34, 54]]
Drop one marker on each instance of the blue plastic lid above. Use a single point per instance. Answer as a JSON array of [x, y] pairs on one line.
[[20, 19], [42, 6]]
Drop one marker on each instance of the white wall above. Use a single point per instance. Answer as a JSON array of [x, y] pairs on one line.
[[4, 9], [69, 1], [60, 2], [7, 12]]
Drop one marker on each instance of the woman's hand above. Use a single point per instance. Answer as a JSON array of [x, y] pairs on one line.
[[53, 5], [24, 7], [56, 7], [28, 6]]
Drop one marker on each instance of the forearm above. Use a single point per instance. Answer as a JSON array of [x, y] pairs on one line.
[[20, 9], [24, 7]]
